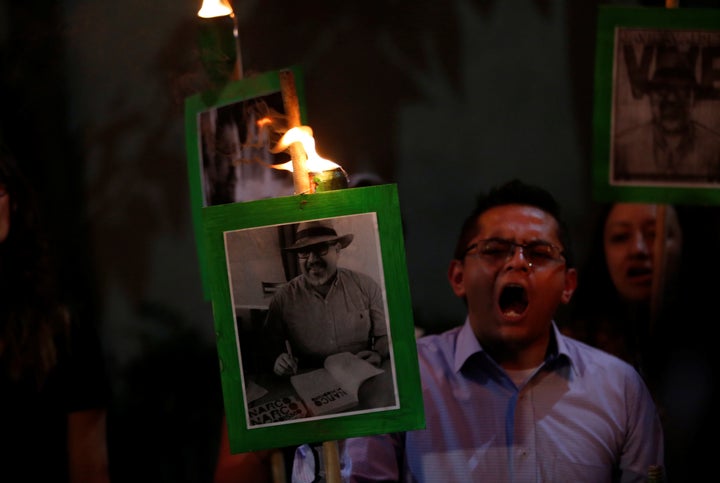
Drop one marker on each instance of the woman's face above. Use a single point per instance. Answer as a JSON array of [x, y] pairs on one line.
[[629, 240], [4, 213]]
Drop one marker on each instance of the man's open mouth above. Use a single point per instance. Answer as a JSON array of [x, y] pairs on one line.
[[513, 300]]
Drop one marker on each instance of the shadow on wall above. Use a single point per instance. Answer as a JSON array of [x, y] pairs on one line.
[[164, 422]]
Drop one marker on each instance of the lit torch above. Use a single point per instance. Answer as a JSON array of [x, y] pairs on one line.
[[324, 175], [219, 41]]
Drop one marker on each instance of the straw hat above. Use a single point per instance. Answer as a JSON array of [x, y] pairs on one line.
[[314, 232]]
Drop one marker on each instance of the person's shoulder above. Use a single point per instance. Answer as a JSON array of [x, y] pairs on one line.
[[706, 130], [443, 335], [430, 345], [284, 290], [295, 283], [634, 134], [356, 275], [588, 358], [706, 135], [352, 272]]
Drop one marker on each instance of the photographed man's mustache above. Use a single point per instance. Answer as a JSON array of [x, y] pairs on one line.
[[316, 264]]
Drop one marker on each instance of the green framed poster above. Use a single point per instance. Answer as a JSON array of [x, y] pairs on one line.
[[230, 134], [657, 105], [254, 269]]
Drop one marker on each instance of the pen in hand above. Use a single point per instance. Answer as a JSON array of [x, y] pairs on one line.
[[292, 359]]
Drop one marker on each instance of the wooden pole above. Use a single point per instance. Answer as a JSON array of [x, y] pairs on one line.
[[277, 459], [659, 265], [659, 257], [277, 464], [332, 461], [237, 73], [301, 180]]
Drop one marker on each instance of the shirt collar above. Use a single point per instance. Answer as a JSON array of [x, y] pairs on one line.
[[467, 344], [561, 352]]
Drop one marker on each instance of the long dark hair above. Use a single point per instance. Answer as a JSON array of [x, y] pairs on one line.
[[598, 314], [31, 315]]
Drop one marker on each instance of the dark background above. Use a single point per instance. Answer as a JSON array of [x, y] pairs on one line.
[[444, 98]]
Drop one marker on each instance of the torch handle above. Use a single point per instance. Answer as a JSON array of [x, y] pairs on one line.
[[301, 181], [332, 461]]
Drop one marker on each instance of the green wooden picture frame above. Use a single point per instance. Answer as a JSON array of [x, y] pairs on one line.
[[639, 50], [241, 103], [238, 251]]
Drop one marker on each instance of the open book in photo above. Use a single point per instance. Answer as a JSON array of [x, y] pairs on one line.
[[334, 387]]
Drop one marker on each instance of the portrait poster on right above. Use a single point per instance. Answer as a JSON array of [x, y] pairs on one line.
[[657, 122]]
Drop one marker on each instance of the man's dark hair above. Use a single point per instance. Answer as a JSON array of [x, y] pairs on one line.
[[515, 192]]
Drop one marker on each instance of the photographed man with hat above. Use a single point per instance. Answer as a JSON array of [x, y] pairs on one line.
[[326, 309], [672, 146]]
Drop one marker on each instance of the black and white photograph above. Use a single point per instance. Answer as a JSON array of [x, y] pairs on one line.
[[313, 318], [666, 108], [311, 315], [231, 136], [237, 141]]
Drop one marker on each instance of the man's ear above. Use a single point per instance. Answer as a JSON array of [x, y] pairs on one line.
[[456, 277], [570, 285]]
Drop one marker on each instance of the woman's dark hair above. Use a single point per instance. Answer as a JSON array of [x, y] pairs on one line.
[[594, 280], [598, 315], [31, 315]]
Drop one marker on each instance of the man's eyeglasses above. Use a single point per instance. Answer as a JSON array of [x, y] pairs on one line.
[[538, 253], [319, 250]]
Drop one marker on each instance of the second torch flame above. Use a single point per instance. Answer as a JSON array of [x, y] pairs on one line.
[[324, 174]]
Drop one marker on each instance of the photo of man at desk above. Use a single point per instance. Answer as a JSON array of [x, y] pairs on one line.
[[326, 309], [330, 320]]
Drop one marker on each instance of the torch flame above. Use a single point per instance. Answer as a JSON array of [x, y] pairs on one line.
[[215, 8], [304, 136]]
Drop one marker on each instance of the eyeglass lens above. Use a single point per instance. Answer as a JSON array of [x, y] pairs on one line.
[[497, 249], [319, 250]]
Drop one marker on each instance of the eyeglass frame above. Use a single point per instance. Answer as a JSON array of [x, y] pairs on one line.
[[304, 253], [559, 256]]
